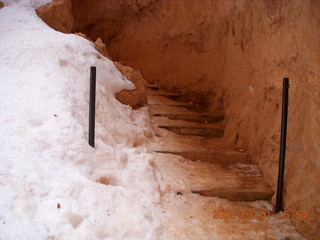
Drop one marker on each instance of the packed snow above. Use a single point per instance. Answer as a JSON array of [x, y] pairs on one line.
[[49, 175]]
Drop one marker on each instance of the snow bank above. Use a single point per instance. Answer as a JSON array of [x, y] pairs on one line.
[[48, 174]]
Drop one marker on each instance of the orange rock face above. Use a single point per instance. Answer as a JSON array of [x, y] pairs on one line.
[[103, 180], [57, 15]]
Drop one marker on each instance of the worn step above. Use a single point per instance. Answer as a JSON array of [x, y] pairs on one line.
[[159, 92], [178, 113], [189, 128], [226, 157], [158, 100], [235, 182], [163, 100], [205, 132], [199, 118], [194, 150], [154, 85], [246, 189]]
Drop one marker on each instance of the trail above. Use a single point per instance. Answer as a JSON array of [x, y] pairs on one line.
[[209, 189]]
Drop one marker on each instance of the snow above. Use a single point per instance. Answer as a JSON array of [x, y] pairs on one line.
[[49, 174], [45, 157]]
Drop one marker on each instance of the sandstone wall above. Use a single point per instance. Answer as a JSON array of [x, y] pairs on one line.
[[235, 54], [269, 40], [58, 15], [175, 42]]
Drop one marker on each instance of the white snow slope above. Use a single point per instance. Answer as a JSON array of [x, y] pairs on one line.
[[48, 172]]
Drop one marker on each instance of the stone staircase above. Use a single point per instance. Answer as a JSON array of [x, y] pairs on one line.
[[202, 160]]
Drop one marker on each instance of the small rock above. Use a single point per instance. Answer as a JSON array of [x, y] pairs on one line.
[[1, 5], [101, 47], [104, 180], [58, 205], [179, 193], [137, 97]]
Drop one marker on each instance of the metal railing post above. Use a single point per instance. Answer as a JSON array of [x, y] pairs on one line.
[[282, 143], [92, 104]]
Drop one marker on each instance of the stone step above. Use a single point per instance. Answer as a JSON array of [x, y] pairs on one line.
[[199, 118], [235, 182], [247, 189], [156, 100], [189, 128], [159, 100], [192, 149], [179, 113], [159, 92], [226, 157], [154, 85], [205, 132]]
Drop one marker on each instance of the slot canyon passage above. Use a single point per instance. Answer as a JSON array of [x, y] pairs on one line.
[[226, 57]]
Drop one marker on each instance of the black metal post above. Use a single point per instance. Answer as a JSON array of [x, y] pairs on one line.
[[282, 143], [92, 105]]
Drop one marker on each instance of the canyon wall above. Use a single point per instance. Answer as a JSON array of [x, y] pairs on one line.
[[178, 43], [231, 55], [269, 40]]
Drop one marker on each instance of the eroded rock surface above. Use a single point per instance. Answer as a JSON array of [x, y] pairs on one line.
[[101, 47], [135, 98], [58, 15]]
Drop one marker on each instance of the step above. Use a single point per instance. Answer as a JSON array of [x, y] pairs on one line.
[[247, 189], [226, 157], [235, 182], [193, 150], [159, 92], [158, 100], [154, 85], [178, 113], [199, 118], [189, 128], [205, 132], [163, 100]]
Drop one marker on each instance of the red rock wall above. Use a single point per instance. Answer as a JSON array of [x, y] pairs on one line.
[[155, 37], [269, 40], [57, 15]]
